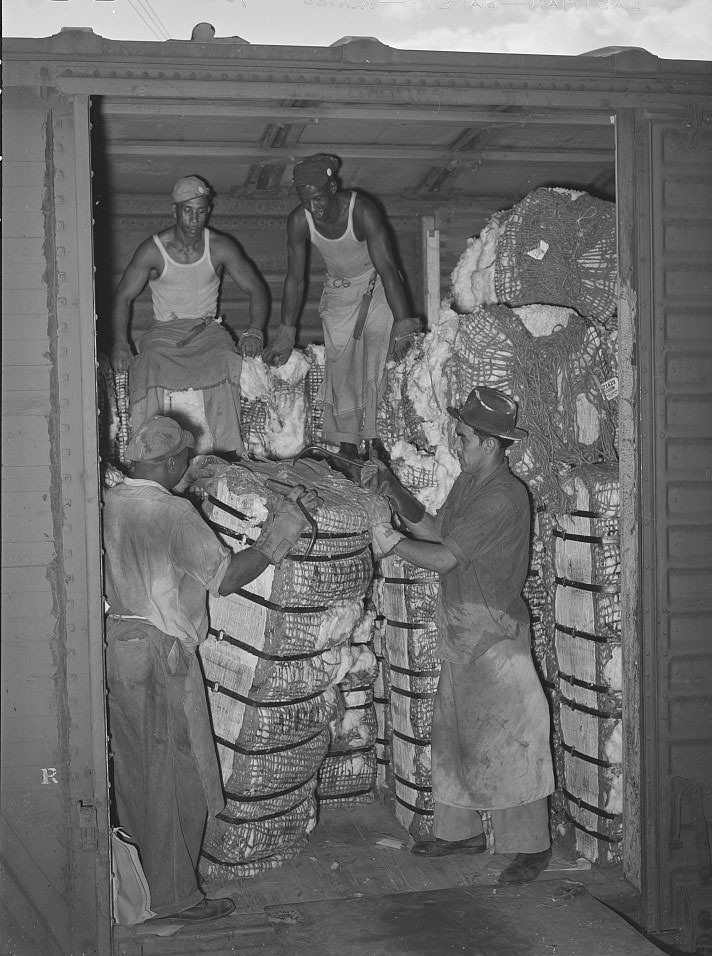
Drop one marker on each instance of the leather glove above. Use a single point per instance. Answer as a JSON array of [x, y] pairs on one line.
[[402, 501], [284, 525], [251, 343], [402, 337], [384, 539], [280, 346]]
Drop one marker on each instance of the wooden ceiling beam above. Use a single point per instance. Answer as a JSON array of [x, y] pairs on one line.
[[431, 155], [135, 109]]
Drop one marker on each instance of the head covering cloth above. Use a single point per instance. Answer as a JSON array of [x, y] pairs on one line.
[[190, 187], [491, 411], [316, 170], [157, 439]]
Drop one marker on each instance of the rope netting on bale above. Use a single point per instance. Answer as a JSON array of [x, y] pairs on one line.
[[282, 660], [556, 378], [559, 247], [315, 390]]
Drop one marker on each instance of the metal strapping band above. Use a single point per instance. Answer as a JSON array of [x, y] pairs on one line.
[[593, 711], [413, 786], [271, 750], [409, 806], [407, 626], [340, 796], [228, 818], [221, 635], [257, 599], [587, 757], [584, 586], [585, 538], [425, 695], [433, 672], [586, 635], [411, 740], [593, 833], [215, 687], [258, 798], [606, 814], [577, 682]]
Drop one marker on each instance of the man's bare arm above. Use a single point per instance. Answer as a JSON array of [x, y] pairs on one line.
[[279, 349], [369, 223], [244, 274], [137, 273]]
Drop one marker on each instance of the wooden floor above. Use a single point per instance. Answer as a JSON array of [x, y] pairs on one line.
[[357, 859]]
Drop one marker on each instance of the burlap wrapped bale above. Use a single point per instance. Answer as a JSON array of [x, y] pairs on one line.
[[274, 656], [408, 597]]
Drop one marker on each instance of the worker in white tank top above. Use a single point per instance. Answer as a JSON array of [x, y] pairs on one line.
[[186, 352], [364, 306]]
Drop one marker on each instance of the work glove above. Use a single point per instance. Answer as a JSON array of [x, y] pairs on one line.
[[251, 343], [120, 357], [280, 346], [384, 539], [402, 337], [285, 524], [376, 476]]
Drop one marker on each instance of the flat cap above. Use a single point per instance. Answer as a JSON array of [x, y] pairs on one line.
[[190, 187], [157, 439]]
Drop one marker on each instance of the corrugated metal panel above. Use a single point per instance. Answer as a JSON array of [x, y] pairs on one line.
[[676, 504]]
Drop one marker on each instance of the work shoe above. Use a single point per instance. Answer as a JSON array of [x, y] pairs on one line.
[[204, 910], [525, 867], [438, 847]]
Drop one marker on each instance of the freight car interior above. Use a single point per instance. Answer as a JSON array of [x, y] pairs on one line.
[[440, 175]]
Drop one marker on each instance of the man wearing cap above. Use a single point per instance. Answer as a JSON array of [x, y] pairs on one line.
[[491, 724], [364, 306], [161, 559], [186, 346]]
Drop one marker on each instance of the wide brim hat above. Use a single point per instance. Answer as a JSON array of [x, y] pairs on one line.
[[490, 411], [157, 439]]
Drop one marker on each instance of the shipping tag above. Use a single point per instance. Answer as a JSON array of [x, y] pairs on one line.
[[540, 251], [609, 388]]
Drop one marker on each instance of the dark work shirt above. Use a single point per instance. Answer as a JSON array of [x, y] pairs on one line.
[[486, 525]]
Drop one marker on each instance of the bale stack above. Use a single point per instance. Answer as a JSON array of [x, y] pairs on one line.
[[275, 663], [411, 667], [538, 291], [586, 555]]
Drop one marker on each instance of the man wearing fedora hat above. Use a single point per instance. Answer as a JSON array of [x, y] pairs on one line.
[[491, 723], [161, 559], [186, 347]]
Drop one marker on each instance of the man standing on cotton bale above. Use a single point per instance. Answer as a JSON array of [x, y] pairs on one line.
[[491, 723], [364, 305], [186, 347], [161, 559]]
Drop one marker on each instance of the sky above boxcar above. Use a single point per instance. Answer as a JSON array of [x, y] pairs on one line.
[[672, 29]]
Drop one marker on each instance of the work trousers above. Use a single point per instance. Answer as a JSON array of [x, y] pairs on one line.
[[523, 829], [158, 791]]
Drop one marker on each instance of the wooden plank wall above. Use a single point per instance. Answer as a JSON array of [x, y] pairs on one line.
[[34, 719]]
